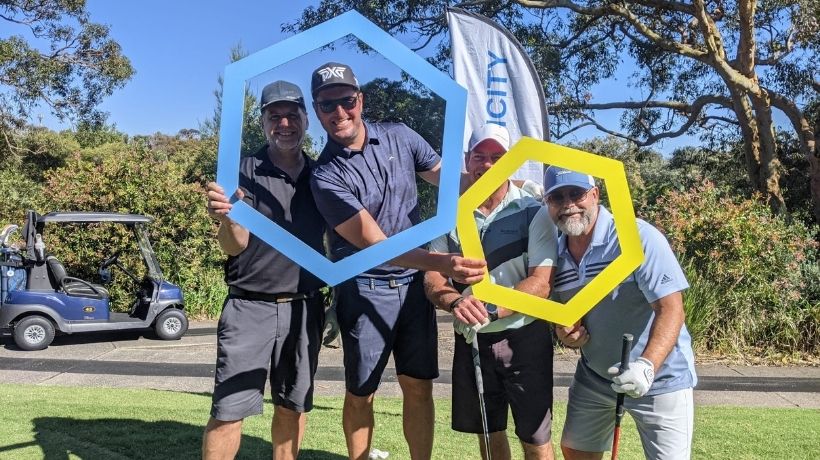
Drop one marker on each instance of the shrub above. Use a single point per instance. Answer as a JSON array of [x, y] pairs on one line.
[[136, 179], [757, 272]]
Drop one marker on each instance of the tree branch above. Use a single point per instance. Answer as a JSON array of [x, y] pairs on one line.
[[693, 112], [656, 38], [746, 47], [680, 7]]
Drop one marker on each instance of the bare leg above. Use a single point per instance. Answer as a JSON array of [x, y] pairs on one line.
[[572, 454], [542, 452], [221, 439], [357, 421], [499, 446], [286, 431], [418, 416]]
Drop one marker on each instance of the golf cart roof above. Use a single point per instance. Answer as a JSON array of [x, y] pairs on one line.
[[93, 217]]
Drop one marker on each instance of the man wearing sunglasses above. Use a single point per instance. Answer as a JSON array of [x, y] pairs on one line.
[[648, 305], [365, 187], [515, 350], [272, 317]]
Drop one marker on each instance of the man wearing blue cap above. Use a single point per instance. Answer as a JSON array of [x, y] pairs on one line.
[[648, 305], [272, 317]]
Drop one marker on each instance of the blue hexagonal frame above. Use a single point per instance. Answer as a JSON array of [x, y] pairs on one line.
[[227, 174]]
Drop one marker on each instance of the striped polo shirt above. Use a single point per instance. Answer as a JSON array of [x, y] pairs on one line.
[[628, 307], [516, 235]]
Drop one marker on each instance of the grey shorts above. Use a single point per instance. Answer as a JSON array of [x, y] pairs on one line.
[[516, 367], [664, 421], [254, 336], [377, 319]]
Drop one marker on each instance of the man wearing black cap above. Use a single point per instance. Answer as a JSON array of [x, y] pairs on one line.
[[273, 314], [365, 187]]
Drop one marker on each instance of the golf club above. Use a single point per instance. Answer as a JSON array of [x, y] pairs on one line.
[[626, 348], [479, 383]]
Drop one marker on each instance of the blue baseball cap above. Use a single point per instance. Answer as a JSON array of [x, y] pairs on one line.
[[555, 178]]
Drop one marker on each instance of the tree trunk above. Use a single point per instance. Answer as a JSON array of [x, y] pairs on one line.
[[814, 169], [769, 181], [754, 117]]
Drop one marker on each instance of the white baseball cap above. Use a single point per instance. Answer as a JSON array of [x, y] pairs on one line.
[[490, 132]]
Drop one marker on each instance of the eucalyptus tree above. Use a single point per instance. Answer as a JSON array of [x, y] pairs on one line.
[[718, 69]]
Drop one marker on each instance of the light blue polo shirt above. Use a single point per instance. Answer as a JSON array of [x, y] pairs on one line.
[[627, 309]]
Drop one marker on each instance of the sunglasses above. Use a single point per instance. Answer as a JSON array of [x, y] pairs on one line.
[[574, 195], [330, 105]]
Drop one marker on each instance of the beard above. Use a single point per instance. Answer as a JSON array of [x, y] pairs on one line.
[[575, 226]]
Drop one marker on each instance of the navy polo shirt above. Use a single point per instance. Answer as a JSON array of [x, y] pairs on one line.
[[269, 190], [381, 178]]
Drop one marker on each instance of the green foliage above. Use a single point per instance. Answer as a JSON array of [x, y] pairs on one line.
[[396, 101], [96, 134], [645, 169], [39, 149], [134, 178], [17, 193], [758, 272]]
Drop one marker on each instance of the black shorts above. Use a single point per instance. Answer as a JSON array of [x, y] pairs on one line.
[[376, 319], [254, 335], [516, 367]]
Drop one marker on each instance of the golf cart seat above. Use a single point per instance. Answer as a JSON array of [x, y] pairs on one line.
[[70, 285]]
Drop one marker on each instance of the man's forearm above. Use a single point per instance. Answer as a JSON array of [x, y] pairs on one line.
[[535, 286], [232, 237], [537, 282], [669, 318], [440, 292], [421, 259]]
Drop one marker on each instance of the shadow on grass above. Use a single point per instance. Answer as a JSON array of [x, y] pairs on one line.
[[63, 438]]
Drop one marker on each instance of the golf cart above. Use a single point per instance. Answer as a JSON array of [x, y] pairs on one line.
[[38, 298]]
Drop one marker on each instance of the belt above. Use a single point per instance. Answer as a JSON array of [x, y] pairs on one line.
[[281, 297], [392, 283]]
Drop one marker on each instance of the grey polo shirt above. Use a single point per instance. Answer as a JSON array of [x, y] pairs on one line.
[[516, 236], [269, 190], [381, 179], [628, 308]]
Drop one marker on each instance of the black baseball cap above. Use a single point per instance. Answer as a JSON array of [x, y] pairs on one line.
[[331, 74], [281, 91]]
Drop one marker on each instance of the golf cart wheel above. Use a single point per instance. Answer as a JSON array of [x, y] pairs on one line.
[[171, 324], [33, 333]]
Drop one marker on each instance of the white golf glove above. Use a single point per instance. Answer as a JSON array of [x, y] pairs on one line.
[[469, 330], [634, 381], [331, 326]]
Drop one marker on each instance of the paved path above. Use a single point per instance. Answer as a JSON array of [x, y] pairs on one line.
[[139, 361]]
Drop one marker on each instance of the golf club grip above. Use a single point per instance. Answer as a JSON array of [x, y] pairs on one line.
[[479, 379], [626, 349]]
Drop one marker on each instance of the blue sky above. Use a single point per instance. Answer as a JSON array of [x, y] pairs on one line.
[[179, 49]]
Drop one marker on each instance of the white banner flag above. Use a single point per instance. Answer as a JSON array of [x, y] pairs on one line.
[[502, 84]]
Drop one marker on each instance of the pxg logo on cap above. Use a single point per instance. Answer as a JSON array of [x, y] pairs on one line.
[[330, 74]]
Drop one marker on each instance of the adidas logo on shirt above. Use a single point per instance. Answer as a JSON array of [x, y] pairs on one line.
[[665, 279]]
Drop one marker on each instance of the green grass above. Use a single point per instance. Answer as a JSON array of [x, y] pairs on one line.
[[69, 423]]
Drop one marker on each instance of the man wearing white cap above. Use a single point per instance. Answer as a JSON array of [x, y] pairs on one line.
[[648, 305], [515, 350]]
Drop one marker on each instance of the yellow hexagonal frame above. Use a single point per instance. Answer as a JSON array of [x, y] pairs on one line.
[[612, 172]]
